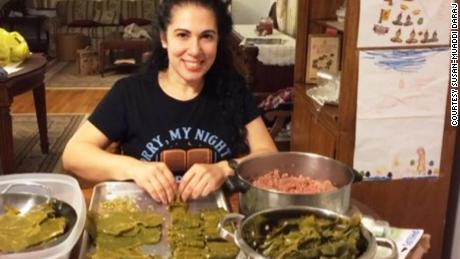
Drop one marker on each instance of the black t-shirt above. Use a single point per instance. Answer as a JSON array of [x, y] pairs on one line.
[[152, 126]]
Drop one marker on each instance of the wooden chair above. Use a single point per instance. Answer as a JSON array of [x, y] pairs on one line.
[[276, 119]]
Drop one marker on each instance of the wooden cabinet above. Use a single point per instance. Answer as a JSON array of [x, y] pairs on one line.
[[310, 130], [410, 203], [325, 130]]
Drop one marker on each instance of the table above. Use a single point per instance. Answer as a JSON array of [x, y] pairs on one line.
[[37, 42], [30, 77], [416, 253], [116, 42], [255, 72]]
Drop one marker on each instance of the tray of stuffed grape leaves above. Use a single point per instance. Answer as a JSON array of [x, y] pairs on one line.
[[125, 222]]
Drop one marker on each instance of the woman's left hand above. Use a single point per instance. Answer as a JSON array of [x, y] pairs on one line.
[[202, 179]]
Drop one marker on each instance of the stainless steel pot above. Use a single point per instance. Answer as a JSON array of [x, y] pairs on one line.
[[253, 199], [241, 236], [24, 201]]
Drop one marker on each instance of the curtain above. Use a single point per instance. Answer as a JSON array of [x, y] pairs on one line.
[[281, 14]]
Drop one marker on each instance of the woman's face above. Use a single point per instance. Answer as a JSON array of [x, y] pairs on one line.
[[191, 41]]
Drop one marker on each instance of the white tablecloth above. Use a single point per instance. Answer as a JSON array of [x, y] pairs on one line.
[[269, 54]]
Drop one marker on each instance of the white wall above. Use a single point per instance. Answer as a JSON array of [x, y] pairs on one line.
[[250, 11]]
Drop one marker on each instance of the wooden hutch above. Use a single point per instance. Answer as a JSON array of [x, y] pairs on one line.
[[331, 131]]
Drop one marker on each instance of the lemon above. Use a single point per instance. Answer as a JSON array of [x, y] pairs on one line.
[[4, 49], [13, 47], [19, 50]]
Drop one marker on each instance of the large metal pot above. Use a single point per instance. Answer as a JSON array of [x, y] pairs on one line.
[[253, 199], [245, 226]]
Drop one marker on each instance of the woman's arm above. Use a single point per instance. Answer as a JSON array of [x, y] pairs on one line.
[[259, 139], [85, 155], [202, 179]]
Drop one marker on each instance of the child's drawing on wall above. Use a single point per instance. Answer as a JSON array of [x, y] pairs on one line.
[[404, 23], [401, 104]]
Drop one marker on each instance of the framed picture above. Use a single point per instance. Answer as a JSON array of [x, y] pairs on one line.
[[322, 54]]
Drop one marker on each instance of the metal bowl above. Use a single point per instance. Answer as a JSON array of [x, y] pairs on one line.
[[243, 237], [24, 201]]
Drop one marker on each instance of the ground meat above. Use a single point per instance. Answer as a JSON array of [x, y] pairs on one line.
[[292, 184]]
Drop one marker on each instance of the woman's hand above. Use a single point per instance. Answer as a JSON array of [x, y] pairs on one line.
[[156, 179], [202, 179]]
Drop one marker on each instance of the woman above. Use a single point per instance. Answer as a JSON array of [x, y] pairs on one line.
[[190, 101]]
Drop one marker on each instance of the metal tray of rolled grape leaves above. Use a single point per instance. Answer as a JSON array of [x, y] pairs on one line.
[[108, 191]]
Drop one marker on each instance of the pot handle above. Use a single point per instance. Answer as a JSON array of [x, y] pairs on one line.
[[231, 218], [357, 177], [235, 184], [385, 242], [39, 185]]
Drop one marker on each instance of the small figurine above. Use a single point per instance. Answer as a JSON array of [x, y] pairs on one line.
[[412, 39], [397, 37], [398, 20], [408, 21], [434, 37], [425, 37]]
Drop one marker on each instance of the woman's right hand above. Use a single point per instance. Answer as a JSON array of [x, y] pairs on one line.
[[156, 179]]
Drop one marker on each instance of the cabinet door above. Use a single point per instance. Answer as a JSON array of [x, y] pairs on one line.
[[301, 122], [322, 140], [309, 134]]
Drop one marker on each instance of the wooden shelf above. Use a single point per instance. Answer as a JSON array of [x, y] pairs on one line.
[[339, 26]]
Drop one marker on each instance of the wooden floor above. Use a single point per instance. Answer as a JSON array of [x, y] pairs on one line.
[[60, 101]]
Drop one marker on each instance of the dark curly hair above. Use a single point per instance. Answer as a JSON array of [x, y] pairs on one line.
[[227, 85]]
